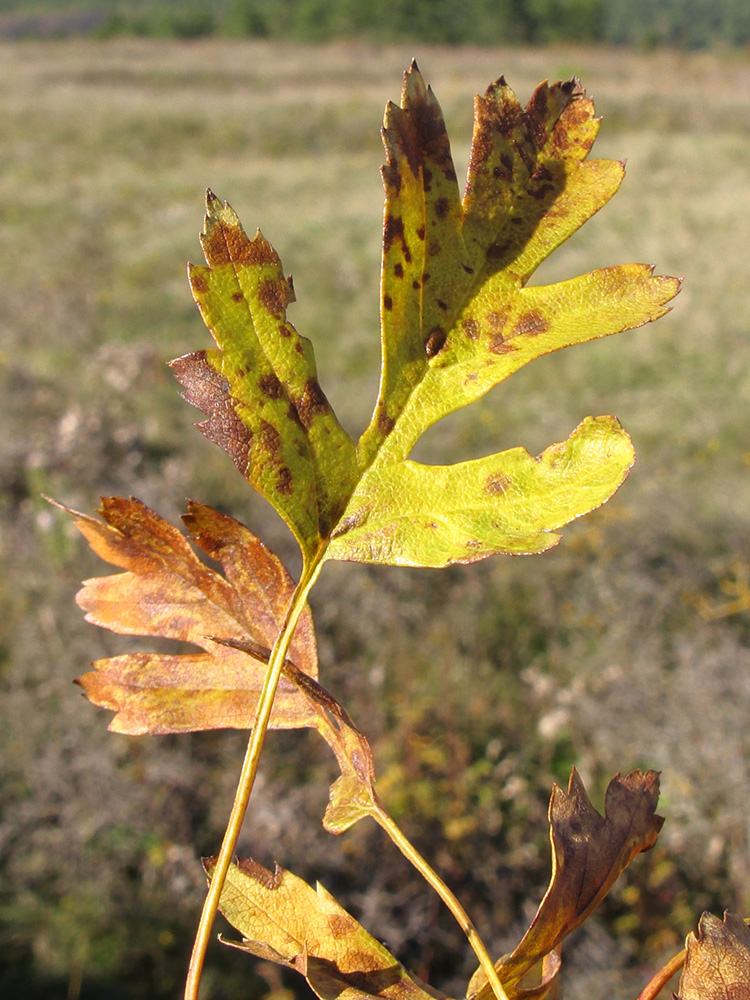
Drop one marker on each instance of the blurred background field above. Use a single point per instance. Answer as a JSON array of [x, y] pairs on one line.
[[478, 686]]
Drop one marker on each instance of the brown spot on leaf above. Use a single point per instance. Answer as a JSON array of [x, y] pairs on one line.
[[497, 483], [398, 270], [435, 341], [198, 282], [226, 244], [285, 482], [470, 328], [341, 924], [313, 403], [499, 345], [284, 330], [272, 293], [385, 424], [270, 880], [497, 319], [393, 229], [270, 386], [531, 323], [416, 285], [442, 305], [421, 233], [442, 207], [237, 297], [387, 303]]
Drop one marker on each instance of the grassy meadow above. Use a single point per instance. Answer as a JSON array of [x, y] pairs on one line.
[[478, 686]]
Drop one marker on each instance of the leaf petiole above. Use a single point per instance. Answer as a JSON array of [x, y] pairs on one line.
[[247, 775], [465, 922]]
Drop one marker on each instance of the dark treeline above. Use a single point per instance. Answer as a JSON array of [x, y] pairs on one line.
[[639, 23]]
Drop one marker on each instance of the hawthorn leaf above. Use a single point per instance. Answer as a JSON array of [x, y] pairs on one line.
[[589, 853], [457, 317], [259, 387], [425, 515], [285, 920], [717, 966], [168, 591]]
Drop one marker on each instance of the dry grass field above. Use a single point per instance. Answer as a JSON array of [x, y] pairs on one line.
[[478, 686]]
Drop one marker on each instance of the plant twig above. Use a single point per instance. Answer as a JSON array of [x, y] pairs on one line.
[[662, 977], [430, 875], [247, 778]]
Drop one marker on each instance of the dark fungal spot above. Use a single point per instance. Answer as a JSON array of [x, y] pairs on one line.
[[398, 270], [496, 483], [470, 328], [393, 229], [442, 305], [313, 403], [421, 232], [435, 341], [273, 295], [237, 297], [228, 244], [506, 161], [425, 277], [531, 323], [299, 348], [442, 207], [469, 270], [285, 481], [499, 345], [387, 303], [497, 319], [416, 285], [198, 282], [284, 330], [270, 386], [385, 424]]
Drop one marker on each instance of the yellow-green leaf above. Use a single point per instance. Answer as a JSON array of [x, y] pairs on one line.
[[425, 515], [285, 920], [259, 387], [457, 318]]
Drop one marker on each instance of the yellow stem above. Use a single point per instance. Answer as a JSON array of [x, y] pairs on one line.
[[430, 875], [247, 778]]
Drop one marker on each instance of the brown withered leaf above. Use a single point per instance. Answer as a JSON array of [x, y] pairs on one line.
[[589, 853], [285, 920], [168, 591], [717, 966]]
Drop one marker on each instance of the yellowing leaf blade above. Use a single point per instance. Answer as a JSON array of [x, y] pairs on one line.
[[280, 914], [420, 515]]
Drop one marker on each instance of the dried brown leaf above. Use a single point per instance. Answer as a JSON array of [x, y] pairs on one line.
[[589, 853], [717, 966], [167, 591]]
